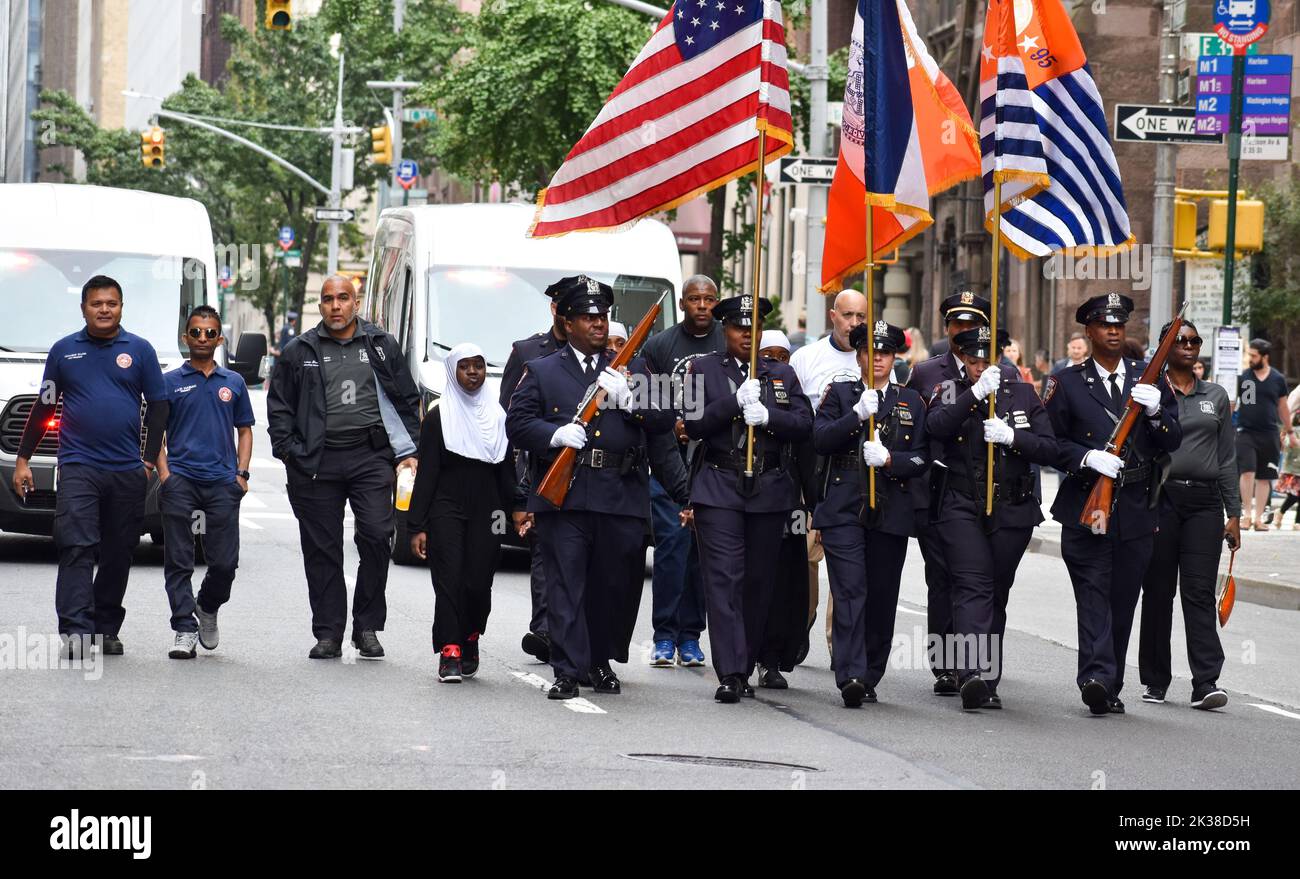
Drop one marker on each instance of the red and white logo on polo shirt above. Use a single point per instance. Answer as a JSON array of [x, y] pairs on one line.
[[225, 395], [124, 361]]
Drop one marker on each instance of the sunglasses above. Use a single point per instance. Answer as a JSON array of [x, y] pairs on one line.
[[1190, 341], [206, 332]]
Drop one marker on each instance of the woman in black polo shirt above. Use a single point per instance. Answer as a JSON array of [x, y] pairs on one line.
[[1199, 493]]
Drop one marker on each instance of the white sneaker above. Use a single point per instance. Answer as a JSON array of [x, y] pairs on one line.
[[1211, 700], [183, 645], [207, 628]]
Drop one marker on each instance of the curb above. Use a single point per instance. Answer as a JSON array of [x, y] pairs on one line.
[[1269, 593]]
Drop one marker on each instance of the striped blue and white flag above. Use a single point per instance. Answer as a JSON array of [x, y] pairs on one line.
[[1043, 136]]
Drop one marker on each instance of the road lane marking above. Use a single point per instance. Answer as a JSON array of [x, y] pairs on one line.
[[580, 705], [245, 522], [1273, 709], [919, 613]]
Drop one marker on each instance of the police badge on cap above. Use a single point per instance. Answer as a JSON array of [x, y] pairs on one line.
[[966, 306], [739, 310], [581, 295], [977, 342], [1108, 308], [883, 337]]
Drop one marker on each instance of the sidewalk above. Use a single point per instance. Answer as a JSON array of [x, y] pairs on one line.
[[1267, 568]]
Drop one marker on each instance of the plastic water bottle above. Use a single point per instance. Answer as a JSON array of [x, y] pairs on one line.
[[405, 485]]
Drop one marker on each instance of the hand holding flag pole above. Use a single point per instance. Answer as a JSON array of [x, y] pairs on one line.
[[754, 318]]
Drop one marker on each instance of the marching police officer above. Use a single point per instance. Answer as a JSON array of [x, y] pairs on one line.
[[1107, 558], [982, 553], [594, 536], [963, 310], [739, 519], [866, 546]]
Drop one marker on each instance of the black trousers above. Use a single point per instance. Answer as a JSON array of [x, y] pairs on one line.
[[865, 567], [938, 603], [738, 567], [1185, 559], [363, 478], [537, 586], [786, 632], [1106, 574], [587, 558], [97, 517], [982, 568], [210, 511], [463, 557]]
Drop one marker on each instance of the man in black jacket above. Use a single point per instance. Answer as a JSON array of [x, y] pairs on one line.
[[341, 410]]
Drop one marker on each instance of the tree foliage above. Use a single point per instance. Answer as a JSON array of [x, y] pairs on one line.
[[1272, 303]]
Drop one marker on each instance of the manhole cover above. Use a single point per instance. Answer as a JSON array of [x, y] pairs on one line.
[[726, 762]]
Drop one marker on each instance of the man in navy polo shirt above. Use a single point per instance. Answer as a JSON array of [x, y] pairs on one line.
[[102, 372], [204, 478]]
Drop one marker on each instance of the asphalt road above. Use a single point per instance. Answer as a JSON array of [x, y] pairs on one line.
[[257, 713]]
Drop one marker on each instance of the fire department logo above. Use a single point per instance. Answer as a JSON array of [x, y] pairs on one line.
[[124, 361], [967, 298], [225, 395]]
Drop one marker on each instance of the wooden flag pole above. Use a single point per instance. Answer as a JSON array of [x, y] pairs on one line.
[[756, 290], [870, 283], [995, 352]]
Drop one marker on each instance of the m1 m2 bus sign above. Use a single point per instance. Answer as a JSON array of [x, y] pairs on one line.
[[1240, 22]]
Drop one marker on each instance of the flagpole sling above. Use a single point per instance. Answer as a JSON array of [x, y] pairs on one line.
[[756, 291], [870, 282], [995, 353]]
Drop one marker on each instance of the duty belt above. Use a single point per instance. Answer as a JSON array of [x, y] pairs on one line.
[[1014, 491], [600, 459], [726, 461], [1194, 483], [845, 462], [1134, 475]]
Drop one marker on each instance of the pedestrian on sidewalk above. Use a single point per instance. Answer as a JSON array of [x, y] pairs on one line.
[[341, 411], [464, 495], [1288, 484], [1198, 509], [1263, 416], [204, 477]]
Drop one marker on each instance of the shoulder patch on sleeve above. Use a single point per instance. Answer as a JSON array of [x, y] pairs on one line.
[[1049, 388]]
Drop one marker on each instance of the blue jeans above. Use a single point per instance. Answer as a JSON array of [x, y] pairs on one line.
[[678, 606]]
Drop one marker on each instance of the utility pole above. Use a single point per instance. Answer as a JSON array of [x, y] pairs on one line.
[[399, 110], [336, 148], [818, 141], [1234, 164], [1162, 227]]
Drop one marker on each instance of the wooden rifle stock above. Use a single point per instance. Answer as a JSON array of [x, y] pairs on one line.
[[554, 487], [1101, 500]]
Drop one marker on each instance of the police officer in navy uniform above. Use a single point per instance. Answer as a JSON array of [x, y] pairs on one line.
[[739, 518], [865, 547], [1085, 403], [963, 310], [536, 641], [588, 542], [983, 552]]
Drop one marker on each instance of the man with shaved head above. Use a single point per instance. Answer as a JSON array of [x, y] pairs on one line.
[[344, 416]]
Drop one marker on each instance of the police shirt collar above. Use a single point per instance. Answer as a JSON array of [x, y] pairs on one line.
[[122, 336], [595, 358], [188, 368], [1105, 376]]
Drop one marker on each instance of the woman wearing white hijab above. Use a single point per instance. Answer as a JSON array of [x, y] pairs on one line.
[[464, 485]]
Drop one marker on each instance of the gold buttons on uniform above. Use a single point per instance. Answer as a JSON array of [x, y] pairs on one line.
[[598, 432]]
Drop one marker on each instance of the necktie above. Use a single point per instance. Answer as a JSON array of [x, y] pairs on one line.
[[1116, 396], [588, 365]]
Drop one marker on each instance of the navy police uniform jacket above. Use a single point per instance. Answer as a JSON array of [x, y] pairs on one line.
[[1079, 405], [958, 427], [837, 433], [720, 458], [521, 353], [548, 396]]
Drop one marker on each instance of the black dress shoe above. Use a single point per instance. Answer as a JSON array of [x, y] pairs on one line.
[[870, 696], [728, 692], [603, 680], [367, 644], [853, 692], [974, 693], [771, 678], [564, 687], [1116, 706], [1095, 696], [945, 684], [746, 689], [993, 701], [326, 648], [112, 646], [537, 646]]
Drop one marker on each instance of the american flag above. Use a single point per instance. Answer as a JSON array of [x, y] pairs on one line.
[[684, 120], [1043, 134]]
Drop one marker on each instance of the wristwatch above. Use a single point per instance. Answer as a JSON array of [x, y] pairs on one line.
[[243, 474]]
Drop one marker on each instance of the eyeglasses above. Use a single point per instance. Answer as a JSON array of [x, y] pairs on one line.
[[207, 332], [1190, 341]]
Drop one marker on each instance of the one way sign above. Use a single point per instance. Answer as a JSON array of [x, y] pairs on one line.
[[1159, 123], [807, 169]]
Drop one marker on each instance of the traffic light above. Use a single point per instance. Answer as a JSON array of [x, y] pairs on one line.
[[1250, 225], [381, 145], [1184, 225], [153, 147], [279, 15]]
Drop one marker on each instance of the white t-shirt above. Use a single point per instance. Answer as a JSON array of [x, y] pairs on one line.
[[820, 363]]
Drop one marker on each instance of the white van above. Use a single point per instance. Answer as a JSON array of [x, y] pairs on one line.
[[52, 239], [444, 274]]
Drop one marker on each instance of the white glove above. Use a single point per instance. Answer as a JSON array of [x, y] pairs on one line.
[[748, 392], [1149, 397], [988, 382], [1104, 463], [614, 384], [998, 431], [868, 404], [755, 414], [572, 435], [874, 453]]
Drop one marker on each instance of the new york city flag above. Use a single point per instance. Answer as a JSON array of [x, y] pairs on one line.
[[906, 136], [1043, 135]]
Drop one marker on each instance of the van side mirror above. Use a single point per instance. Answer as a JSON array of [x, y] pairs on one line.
[[248, 357]]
